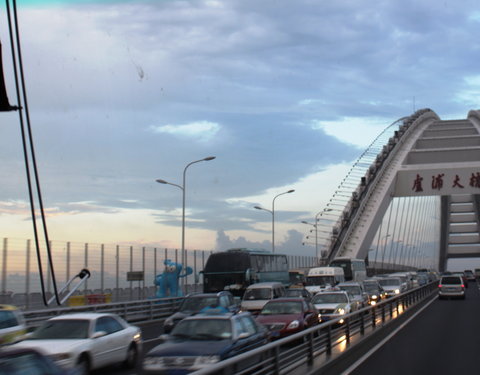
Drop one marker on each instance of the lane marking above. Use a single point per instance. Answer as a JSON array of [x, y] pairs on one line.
[[381, 343]]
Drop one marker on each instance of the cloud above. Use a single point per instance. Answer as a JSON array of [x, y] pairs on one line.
[[200, 130]]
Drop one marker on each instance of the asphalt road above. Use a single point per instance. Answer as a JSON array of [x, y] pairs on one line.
[[443, 339]]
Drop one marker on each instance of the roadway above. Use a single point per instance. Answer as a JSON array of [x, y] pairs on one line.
[[442, 339]]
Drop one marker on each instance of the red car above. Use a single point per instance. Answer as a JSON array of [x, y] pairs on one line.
[[286, 316]]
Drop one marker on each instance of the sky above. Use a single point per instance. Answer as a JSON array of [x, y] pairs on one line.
[[285, 94]]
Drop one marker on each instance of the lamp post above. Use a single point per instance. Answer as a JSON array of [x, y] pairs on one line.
[[183, 188], [272, 211]]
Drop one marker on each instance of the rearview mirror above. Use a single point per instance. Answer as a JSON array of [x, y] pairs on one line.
[[98, 334]]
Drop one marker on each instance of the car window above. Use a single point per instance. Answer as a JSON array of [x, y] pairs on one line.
[[224, 301], [249, 325], [451, 280], [8, 319], [62, 329], [108, 324]]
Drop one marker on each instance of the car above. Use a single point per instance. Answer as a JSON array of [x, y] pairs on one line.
[[28, 361], [86, 341], [356, 291], [201, 340], [391, 285], [298, 292], [286, 316], [451, 286], [12, 324], [332, 305], [470, 275], [195, 302], [257, 295], [374, 291]]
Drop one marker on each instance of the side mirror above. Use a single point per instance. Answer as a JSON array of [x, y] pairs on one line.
[[243, 335], [99, 334]]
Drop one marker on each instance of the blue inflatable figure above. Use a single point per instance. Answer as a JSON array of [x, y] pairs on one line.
[[167, 281]]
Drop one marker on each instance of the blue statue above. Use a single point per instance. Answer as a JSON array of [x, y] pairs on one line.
[[167, 281]]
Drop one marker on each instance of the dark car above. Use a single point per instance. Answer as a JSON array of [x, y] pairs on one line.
[[298, 292], [374, 290], [286, 316], [199, 341], [28, 362], [196, 302]]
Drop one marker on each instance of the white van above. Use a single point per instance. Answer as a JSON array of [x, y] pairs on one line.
[[257, 295], [323, 278]]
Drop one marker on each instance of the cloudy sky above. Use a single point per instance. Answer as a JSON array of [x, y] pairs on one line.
[[285, 94]]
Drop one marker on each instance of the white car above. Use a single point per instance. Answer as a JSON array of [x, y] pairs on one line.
[[86, 341], [332, 305]]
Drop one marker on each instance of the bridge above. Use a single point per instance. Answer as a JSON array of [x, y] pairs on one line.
[[411, 200]]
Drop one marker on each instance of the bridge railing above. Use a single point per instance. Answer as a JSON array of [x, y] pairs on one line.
[[319, 346], [133, 312]]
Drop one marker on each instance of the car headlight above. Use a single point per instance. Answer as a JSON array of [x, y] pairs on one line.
[[61, 356], [374, 297], [294, 324], [137, 337], [397, 291], [340, 311], [205, 360]]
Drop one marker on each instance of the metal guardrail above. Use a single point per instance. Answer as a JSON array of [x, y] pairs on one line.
[[318, 346], [133, 312]]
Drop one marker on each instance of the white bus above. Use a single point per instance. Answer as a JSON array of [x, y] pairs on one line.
[[322, 278], [353, 269]]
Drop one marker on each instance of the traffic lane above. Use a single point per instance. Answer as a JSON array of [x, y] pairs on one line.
[[440, 340], [150, 335]]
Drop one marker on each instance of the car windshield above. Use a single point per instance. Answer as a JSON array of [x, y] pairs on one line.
[[203, 329], [371, 287], [7, 319], [320, 280], [389, 282], [61, 329], [352, 289], [258, 294], [274, 308], [329, 298], [195, 304], [295, 293]]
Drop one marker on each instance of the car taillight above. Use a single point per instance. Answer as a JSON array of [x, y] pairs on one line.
[[463, 286], [439, 285]]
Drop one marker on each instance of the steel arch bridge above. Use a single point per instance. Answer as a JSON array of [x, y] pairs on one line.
[[413, 196]]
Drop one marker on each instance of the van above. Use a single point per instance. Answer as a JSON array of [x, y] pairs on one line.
[[323, 278], [257, 295]]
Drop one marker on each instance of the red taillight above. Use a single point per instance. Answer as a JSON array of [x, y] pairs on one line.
[[463, 286], [439, 285]]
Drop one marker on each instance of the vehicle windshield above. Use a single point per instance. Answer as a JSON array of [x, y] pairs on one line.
[[280, 308], [371, 287], [352, 289], [61, 329], [203, 329], [7, 319], [320, 280], [389, 282], [195, 304], [329, 298], [294, 293], [258, 294]]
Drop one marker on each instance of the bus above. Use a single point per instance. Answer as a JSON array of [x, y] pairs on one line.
[[235, 269], [323, 278], [353, 269]]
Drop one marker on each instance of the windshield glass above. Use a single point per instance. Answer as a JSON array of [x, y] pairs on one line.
[[61, 329], [371, 287], [258, 294], [280, 308], [354, 290], [320, 280], [389, 282], [329, 298], [195, 304], [203, 329]]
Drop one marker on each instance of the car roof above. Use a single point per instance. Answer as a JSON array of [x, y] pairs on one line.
[[349, 283], [332, 292], [85, 316], [287, 299], [264, 285], [8, 307], [206, 316]]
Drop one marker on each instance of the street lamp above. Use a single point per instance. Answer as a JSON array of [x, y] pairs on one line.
[[272, 211], [183, 188]]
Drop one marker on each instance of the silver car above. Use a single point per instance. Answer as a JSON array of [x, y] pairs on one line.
[[451, 286]]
